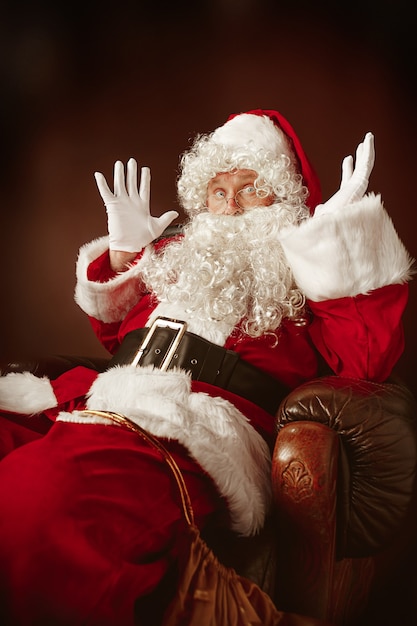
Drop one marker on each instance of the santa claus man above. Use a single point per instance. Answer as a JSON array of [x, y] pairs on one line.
[[209, 329]]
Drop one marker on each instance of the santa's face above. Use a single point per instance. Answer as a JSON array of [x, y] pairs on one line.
[[231, 193]]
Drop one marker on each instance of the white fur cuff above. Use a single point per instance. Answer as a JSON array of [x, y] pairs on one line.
[[25, 393], [112, 300], [347, 252]]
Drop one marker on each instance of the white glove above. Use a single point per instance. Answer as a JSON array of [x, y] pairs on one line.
[[354, 181], [130, 224]]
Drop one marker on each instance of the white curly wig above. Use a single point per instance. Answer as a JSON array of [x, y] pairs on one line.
[[246, 141]]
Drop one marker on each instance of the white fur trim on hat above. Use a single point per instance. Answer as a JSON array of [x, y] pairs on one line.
[[216, 434], [254, 132], [112, 300], [347, 252], [25, 393]]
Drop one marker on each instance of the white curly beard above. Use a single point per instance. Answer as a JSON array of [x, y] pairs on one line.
[[224, 270]]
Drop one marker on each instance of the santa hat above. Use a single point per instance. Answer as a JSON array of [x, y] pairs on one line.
[[252, 131], [244, 140]]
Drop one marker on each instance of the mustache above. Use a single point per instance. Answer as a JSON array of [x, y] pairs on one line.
[[253, 226]]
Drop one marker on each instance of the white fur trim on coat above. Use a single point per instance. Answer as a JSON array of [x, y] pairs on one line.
[[25, 393], [347, 252], [112, 300], [216, 434]]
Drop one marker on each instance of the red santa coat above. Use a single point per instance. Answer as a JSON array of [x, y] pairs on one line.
[[113, 533]]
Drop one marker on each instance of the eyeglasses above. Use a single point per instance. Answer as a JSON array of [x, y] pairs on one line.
[[245, 198]]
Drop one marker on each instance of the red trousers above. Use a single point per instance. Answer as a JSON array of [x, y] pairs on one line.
[[88, 523]]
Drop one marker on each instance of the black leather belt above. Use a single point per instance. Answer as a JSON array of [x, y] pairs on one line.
[[167, 344]]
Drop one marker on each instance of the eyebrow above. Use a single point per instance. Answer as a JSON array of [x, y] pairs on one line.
[[217, 180]]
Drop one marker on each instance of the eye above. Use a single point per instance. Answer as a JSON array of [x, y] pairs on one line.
[[249, 189], [219, 194]]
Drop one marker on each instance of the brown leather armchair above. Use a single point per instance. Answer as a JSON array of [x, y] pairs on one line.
[[339, 545]]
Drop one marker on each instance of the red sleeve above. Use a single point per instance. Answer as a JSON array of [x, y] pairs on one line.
[[100, 271], [361, 337]]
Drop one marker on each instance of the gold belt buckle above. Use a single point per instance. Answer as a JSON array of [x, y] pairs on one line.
[[162, 322]]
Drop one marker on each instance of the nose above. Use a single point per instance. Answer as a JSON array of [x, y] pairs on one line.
[[232, 208]]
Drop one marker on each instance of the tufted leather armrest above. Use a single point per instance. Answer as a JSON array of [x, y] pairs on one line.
[[344, 480], [377, 429]]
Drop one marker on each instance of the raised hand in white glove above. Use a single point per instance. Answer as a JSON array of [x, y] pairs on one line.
[[130, 224], [354, 181]]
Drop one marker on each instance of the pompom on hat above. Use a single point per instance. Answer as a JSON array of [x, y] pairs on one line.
[[258, 139], [242, 127]]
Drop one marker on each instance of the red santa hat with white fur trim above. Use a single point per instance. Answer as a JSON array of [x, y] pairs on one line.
[[257, 139]]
